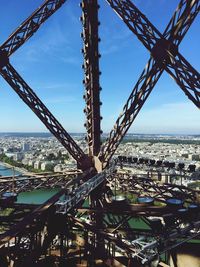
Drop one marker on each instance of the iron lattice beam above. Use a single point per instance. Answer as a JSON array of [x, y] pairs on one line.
[[16, 40], [91, 71], [165, 53], [159, 191], [174, 33], [136, 100], [181, 21], [30, 25], [31, 99]]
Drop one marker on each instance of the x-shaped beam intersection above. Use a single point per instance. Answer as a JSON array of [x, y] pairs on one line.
[[164, 56]]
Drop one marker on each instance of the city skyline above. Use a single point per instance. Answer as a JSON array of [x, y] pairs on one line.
[[47, 133], [51, 62]]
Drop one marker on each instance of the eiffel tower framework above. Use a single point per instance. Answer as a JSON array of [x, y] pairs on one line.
[[102, 231]]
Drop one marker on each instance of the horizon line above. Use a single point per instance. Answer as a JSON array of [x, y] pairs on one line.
[[43, 132]]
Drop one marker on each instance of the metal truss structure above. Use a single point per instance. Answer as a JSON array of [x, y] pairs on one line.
[[27, 183], [152, 188], [152, 167], [164, 56], [31, 230], [30, 238]]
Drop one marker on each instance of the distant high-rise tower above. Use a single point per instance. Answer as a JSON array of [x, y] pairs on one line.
[[25, 147]]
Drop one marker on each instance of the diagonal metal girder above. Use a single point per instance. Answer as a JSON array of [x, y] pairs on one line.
[[30, 26], [36, 105], [91, 72], [16, 40], [165, 53], [174, 32]]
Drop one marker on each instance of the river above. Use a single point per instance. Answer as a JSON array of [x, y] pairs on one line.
[[34, 197], [5, 171], [41, 195]]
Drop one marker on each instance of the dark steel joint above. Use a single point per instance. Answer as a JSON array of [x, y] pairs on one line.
[[4, 60], [162, 50]]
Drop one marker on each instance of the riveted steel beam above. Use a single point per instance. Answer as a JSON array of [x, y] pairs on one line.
[[91, 74]]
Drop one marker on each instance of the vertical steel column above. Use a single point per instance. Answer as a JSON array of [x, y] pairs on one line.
[[91, 71], [97, 218]]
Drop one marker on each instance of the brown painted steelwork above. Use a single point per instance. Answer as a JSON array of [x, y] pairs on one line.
[[31, 183], [36, 105], [164, 56], [16, 40], [91, 70], [158, 190], [30, 25], [169, 59]]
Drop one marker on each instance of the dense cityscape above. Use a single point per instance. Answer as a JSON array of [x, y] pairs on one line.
[[75, 195], [40, 152]]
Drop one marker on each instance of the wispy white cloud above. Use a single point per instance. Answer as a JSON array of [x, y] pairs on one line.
[[53, 41], [114, 39], [60, 100], [48, 44], [56, 86], [179, 117], [73, 60], [110, 49]]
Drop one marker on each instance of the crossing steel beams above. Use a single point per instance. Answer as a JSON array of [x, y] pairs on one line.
[[164, 55]]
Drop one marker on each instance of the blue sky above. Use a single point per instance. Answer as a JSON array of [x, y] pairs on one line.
[[50, 62]]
